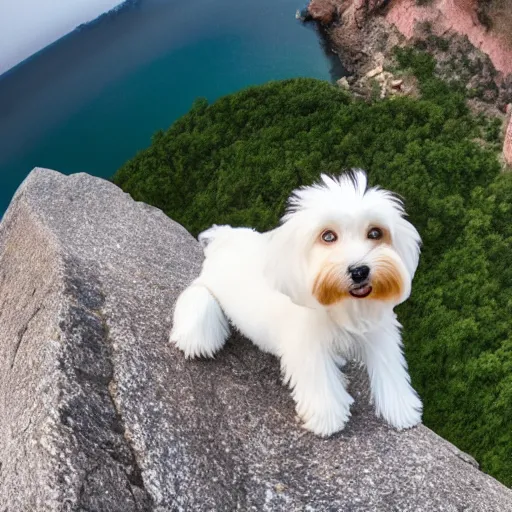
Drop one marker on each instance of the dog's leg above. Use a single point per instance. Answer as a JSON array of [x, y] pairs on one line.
[[395, 399], [200, 327], [318, 386]]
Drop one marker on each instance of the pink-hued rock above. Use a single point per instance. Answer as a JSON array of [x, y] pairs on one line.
[[507, 145], [361, 9], [452, 15], [349, 30], [323, 11]]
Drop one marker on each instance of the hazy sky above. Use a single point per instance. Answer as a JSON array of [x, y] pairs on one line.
[[27, 26]]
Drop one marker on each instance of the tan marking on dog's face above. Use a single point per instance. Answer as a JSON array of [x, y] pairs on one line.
[[386, 281], [385, 278], [328, 288]]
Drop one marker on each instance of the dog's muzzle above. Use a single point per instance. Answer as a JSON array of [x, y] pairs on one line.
[[359, 276]]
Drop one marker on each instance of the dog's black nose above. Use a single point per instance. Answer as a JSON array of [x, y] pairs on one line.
[[359, 274]]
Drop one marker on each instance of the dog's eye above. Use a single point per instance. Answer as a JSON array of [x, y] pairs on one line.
[[375, 234], [329, 236]]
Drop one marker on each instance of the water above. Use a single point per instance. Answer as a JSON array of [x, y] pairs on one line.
[[92, 100]]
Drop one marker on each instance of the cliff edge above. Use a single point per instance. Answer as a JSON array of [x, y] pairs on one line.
[[99, 412], [487, 25]]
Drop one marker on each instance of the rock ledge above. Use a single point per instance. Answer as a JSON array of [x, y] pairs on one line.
[[98, 412]]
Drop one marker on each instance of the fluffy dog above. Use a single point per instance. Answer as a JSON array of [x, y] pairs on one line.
[[318, 289]]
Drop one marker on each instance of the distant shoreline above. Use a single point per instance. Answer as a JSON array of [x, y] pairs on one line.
[[18, 51], [109, 14]]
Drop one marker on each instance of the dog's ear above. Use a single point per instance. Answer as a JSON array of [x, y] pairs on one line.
[[407, 242]]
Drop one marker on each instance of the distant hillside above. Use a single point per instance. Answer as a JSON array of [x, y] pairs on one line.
[[28, 26]]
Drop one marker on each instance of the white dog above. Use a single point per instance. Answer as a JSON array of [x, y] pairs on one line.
[[319, 288]]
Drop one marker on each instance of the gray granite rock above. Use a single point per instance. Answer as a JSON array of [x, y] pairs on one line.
[[99, 413]]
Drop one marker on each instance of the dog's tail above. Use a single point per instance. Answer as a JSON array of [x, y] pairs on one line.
[[200, 327], [211, 235]]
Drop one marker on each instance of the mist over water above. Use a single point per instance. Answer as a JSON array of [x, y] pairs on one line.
[[93, 99]]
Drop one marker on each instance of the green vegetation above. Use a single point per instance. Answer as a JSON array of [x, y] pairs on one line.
[[422, 65], [236, 161]]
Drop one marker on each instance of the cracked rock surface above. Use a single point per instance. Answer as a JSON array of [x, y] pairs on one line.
[[99, 413]]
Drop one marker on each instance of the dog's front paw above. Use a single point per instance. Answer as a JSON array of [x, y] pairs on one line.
[[401, 411], [192, 348], [200, 328], [195, 341], [325, 419]]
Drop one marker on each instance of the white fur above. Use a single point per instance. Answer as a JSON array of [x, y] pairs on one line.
[[264, 284], [204, 333]]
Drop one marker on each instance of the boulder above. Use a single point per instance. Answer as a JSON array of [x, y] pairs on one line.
[[397, 84], [374, 72], [343, 83], [322, 11], [507, 142], [99, 412]]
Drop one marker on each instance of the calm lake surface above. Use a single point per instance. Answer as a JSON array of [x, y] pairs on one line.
[[92, 100]]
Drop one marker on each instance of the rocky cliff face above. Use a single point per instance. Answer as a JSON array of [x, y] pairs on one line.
[[445, 17], [98, 412], [354, 29], [453, 16]]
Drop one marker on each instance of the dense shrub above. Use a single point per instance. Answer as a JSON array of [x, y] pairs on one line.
[[236, 161]]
